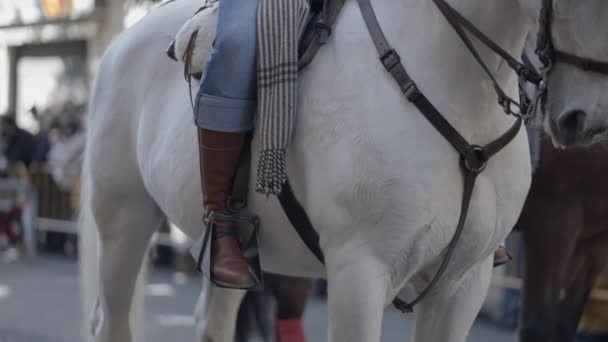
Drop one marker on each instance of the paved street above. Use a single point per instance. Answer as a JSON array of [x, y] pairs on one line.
[[39, 302]]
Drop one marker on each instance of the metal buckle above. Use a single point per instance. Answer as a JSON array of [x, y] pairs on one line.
[[390, 59], [509, 105], [475, 159], [411, 91], [545, 55], [324, 30], [529, 74]]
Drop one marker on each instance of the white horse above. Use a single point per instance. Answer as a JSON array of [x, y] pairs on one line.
[[380, 184]]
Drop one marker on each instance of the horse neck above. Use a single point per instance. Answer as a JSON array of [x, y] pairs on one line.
[[441, 64]]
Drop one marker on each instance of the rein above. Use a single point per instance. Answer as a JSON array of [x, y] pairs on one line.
[[525, 72]]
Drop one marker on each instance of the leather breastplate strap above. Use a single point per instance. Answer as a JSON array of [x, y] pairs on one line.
[[474, 158]]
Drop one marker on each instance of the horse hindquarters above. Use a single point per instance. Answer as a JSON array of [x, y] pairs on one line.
[[116, 203], [125, 218]]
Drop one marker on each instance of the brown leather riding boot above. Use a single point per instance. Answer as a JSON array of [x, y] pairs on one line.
[[219, 157]]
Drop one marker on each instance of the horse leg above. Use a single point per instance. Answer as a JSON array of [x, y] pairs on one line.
[[125, 226], [216, 313], [358, 294], [549, 242], [448, 315], [586, 266], [291, 295], [571, 307]]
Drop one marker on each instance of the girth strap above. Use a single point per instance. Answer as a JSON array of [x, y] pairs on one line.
[[299, 220]]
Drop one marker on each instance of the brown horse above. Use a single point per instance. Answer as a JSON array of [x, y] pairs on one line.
[[565, 232]]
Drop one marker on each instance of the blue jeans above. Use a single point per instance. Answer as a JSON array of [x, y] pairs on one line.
[[226, 99]]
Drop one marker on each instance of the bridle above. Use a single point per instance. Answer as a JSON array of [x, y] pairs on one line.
[[474, 158], [549, 55]]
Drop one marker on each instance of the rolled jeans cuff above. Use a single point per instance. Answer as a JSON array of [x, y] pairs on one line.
[[224, 114]]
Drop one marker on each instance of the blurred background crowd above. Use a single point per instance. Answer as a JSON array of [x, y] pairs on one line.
[[49, 50]]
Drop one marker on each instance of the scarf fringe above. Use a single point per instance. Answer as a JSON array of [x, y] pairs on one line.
[[272, 172]]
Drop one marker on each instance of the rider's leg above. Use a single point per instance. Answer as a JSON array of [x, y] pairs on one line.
[[291, 295], [501, 256], [225, 107]]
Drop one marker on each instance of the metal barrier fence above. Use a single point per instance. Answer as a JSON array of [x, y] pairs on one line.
[[57, 208], [49, 208], [45, 207]]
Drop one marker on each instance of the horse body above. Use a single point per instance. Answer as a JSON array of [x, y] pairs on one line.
[[350, 150], [382, 187]]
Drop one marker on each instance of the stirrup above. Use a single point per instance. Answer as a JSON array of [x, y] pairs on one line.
[[250, 225]]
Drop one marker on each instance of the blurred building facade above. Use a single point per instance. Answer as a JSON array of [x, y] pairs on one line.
[[49, 50]]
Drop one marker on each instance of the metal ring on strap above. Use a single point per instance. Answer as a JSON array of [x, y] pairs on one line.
[[475, 159]]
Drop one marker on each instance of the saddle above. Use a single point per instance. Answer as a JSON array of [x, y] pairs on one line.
[[316, 34]]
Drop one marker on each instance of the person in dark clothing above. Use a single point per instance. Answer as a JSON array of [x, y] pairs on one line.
[[19, 144], [43, 143], [42, 148]]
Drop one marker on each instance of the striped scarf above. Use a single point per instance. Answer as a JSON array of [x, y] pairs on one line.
[[280, 25]]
